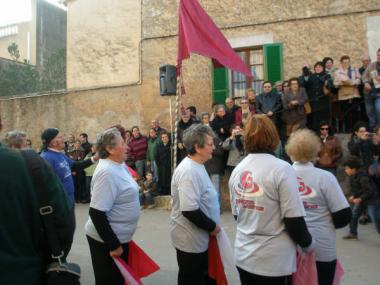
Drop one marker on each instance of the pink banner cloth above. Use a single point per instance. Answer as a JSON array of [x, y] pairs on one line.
[[197, 33]]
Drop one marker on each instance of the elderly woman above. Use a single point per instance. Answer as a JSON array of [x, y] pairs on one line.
[[325, 204], [268, 208], [195, 214], [114, 208], [244, 113], [293, 102], [221, 123]]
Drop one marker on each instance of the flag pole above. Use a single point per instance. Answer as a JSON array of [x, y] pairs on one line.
[[175, 137]]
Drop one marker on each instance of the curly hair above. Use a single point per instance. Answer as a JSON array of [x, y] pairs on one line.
[[303, 146]]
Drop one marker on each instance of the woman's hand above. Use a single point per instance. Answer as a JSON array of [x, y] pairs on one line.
[[215, 231], [117, 252]]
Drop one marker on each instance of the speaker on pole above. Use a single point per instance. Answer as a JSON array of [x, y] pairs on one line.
[[168, 80]]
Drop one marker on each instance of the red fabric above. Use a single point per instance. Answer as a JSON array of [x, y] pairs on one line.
[[141, 264], [198, 34], [215, 265], [339, 272], [306, 273]]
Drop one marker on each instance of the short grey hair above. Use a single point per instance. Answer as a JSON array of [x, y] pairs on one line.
[[196, 135], [107, 139], [14, 139]]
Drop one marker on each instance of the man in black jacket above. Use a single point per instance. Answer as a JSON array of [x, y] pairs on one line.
[[269, 103]]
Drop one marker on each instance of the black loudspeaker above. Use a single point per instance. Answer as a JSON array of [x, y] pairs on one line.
[[168, 80]]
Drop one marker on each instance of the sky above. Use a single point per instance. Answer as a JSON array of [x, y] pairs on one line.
[[17, 11]]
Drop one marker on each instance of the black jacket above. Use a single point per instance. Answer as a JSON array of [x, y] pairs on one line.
[[364, 149], [361, 186], [216, 164], [221, 123], [314, 88]]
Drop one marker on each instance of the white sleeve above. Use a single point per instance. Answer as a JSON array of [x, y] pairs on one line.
[[103, 192], [189, 192], [290, 199], [232, 194], [333, 193]]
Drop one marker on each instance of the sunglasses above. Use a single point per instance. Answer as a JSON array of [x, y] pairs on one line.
[[324, 129]]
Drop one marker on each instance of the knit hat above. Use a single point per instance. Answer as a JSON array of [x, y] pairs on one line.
[[47, 136]]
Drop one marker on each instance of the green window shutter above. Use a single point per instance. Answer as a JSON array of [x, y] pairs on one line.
[[274, 70], [220, 90]]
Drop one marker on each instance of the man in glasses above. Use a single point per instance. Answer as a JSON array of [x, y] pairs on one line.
[[269, 103]]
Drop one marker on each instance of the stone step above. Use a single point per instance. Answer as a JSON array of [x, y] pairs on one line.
[[163, 202]]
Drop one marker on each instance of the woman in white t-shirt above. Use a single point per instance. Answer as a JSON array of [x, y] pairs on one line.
[[195, 213], [268, 209], [325, 205], [114, 209]]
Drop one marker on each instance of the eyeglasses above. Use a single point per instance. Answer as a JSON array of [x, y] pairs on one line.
[[243, 102], [324, 129]]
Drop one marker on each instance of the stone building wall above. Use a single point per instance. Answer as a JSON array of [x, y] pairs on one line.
[[103, 43], [318, 29]]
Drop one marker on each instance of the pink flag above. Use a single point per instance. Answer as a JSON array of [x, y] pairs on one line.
[[129, 276], [198, 34], [339, 272], [139, 265]]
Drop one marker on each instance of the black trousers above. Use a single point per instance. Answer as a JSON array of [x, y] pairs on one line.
[[105, 270], [193, 268], [247, 278], [326, 272]]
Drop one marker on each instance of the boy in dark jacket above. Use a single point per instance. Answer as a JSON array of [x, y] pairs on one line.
[[362, 193]]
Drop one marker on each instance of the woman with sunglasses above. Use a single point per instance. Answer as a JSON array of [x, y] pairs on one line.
[[331, 150]]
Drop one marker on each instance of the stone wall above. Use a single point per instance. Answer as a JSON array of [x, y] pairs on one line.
[[103, 43]]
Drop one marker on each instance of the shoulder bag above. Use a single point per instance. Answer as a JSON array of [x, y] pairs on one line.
[[58, 272]]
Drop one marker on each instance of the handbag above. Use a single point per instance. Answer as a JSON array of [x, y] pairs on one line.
[[307, 108], [58, 272]]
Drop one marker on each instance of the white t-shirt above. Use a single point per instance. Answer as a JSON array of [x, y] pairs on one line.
[[263, 192], [191, 190], [114, 191], [321, 195]]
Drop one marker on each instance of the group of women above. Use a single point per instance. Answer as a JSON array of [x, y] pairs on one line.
[[276, 207]]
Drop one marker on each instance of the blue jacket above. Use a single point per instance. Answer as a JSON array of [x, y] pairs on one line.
[[61, 165]]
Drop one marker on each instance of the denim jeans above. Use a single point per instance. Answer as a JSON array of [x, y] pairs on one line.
[[216, 180], [373, 212], [146, 198], [372, 107], [152, 166]]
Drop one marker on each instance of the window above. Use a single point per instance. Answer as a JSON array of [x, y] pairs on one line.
[[265, 63], [8, 31], [254, 58]]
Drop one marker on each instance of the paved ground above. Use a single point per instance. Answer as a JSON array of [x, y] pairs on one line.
[[361, 259]]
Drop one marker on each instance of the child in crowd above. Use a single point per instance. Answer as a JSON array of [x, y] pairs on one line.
[[363, 193], [148, 191]]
